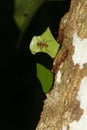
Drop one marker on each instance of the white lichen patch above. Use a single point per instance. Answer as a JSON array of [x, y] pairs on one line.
[[82, 97], [80, 51], [63, 128], [58, 79]]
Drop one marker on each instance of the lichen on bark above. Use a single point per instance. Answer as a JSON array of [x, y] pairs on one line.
[[61, 105]]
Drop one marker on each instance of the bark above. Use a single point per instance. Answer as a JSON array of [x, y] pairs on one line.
[[61, 106]]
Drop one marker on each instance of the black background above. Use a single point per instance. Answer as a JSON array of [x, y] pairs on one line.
[[21, 95]]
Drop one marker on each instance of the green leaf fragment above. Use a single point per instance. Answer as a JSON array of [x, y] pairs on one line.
[[44, 43], [45, 77]]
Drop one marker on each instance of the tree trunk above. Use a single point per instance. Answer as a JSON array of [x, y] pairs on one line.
[[65, 106]]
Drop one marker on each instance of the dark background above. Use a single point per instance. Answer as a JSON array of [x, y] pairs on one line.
[[21, 95]]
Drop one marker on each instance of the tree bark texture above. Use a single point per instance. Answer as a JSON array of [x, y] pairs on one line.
[[61, 106]]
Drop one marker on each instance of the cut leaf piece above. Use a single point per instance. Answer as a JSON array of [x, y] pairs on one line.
[[45, 77], [44, 43]]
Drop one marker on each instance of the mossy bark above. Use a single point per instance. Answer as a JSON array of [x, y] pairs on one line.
[[61, 107]]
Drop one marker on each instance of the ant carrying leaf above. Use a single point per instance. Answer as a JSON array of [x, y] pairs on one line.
[[44, 43]]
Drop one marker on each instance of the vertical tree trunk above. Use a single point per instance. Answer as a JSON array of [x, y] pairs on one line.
[[65, 106]]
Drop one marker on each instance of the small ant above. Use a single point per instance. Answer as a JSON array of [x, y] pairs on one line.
[[60, 58], [42, 44]]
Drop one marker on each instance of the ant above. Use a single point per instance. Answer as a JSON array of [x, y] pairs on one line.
[[42, 44], [60, 58]]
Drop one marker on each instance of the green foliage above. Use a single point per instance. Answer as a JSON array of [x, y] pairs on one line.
[[47, 44], [44, 43], [45, 77], [24, 12]]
